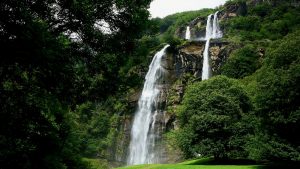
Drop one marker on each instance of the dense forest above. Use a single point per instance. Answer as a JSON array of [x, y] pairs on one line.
[[68, 69]]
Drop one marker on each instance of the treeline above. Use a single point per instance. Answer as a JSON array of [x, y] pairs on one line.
[[251, 111], [58, 60]]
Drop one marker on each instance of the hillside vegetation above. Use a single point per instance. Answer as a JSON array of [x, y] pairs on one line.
[[252, 110], [66, 84]]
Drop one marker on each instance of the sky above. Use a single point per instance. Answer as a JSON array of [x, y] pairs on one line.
[[162, 8]]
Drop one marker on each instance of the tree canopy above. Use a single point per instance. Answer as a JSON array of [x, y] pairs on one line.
[[55, 55], [211, 118]]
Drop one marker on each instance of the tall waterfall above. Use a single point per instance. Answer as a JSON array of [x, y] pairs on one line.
[[206, 70], [143, 134], [209, 28], [212, 32], [217, 33], [188, 33]]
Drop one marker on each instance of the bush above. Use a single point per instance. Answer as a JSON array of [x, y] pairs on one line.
[[261, 10], [243, 62], [248, 23]]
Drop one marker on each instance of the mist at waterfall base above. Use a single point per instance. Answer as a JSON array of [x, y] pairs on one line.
[[142, 149], [212, 32]]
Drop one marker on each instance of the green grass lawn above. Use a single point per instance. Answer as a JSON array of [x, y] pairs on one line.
[[204, 163], [183, 166], [195, 164]]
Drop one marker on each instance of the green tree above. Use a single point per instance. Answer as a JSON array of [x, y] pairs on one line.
[[243, 62], [213, 119], [277, 98], [54, 56]]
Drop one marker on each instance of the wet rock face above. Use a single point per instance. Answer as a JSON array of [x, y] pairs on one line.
[[219, 52], [189, 58]]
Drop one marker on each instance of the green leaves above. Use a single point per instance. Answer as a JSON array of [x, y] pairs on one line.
[[277, 97], [242, 62], [264, 21], [44, 74], [210, 113]]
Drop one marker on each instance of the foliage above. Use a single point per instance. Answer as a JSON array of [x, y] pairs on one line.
[[264, 21], [171, 23], [56, 55], [178, 19], [243, 62], [274, 91], [96, 163], [63, 74], [241, 4], [267, 64], [277, 97], [212, 118], [98, 127]]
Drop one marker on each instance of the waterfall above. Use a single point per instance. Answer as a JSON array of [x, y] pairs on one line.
[[187, 33], [206, 70], [212, 32], [209, 28], [217, 33], [143, 134]]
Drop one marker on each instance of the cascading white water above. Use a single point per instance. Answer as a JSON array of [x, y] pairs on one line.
[[209, 27], [141, 149], [206, 66], [212, 32], [217, 33], [188, 33], [206, 70]]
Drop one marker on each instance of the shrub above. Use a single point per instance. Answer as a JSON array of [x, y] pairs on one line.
[[241, 63]]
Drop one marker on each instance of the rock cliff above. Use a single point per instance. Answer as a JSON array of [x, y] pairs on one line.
[[189, 57], [183, 64]]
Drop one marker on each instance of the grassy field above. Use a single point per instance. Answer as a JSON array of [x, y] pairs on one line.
[[183, 166], [197, 164], [205, 163]]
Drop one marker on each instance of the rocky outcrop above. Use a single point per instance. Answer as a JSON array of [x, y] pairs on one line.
[[189, 57], [219, 52], [233, 9], [187, 62]]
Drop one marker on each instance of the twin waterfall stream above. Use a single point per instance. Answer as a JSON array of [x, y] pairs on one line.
[[144, 135]]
